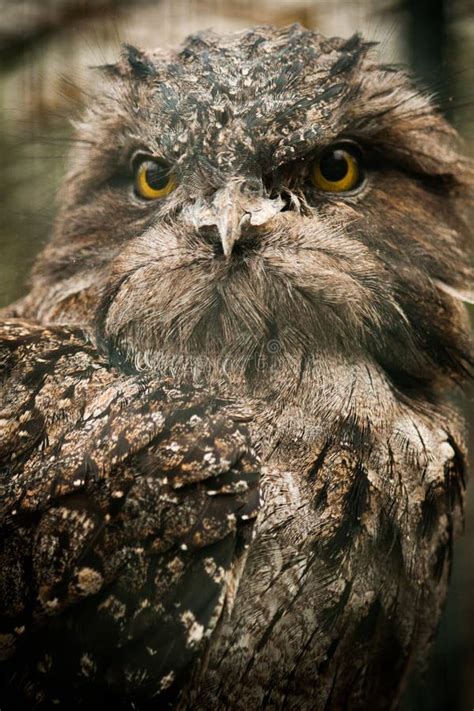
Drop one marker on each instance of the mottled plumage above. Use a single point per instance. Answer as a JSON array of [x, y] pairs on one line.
[[231, 475], [128, 501]]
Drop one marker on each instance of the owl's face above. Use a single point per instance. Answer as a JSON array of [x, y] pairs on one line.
[[262, 195]]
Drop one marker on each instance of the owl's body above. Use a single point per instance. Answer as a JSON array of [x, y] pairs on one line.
[[230, 476], [114, 474]]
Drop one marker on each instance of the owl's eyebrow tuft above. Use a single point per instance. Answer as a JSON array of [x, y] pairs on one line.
[[347, 62], [140, 64]]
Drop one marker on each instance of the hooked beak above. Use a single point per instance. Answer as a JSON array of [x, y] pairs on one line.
[[230, 209]]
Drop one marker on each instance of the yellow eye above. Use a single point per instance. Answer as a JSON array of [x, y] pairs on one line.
[[153, 179], [337, 169]]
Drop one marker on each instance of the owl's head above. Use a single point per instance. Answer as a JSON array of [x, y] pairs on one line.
[[265, 194]]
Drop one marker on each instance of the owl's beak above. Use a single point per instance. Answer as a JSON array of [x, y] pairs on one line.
[[232, 208]]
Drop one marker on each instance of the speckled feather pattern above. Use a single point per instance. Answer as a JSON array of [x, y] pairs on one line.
[[127, 512], [234, 481], [126, 505]]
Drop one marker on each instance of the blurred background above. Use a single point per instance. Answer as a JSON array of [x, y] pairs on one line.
[[46, 49]]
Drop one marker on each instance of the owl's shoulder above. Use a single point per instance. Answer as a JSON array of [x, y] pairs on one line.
[[128, 491]]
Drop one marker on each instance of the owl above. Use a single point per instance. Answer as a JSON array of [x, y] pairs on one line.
[[231, 470]]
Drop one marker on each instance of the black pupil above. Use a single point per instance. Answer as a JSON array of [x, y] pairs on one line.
[[157, 175], [334, 166]]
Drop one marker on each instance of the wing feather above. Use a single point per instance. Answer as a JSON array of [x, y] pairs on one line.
[[126, 504]]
